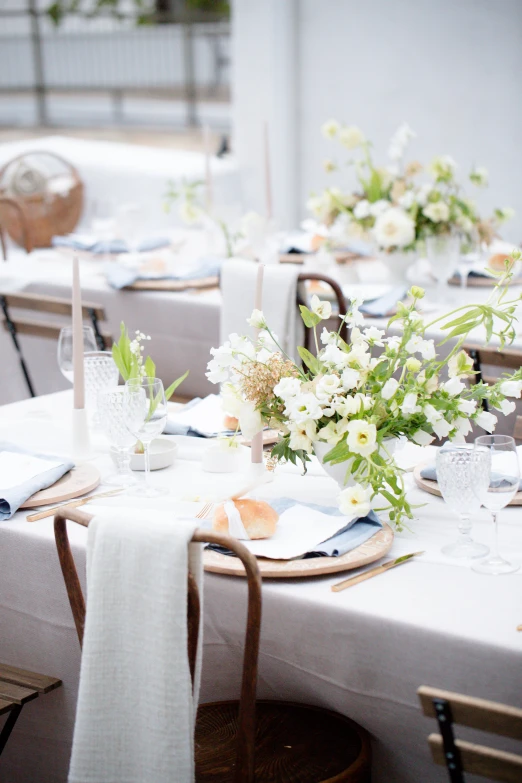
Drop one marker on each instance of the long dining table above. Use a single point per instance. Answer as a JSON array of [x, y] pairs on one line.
[[363, 652]]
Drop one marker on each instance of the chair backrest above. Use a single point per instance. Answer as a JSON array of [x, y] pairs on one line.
[[17, 324], [25, 229], [507, 359], [246, 718], [306, 277], [459, 756], [517, 429]]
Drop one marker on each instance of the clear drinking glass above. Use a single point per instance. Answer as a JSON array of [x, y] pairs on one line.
[[145, 413], [100, 373], [112, 420], [443, 252], [65, 349], [463, 476], [502, 488]]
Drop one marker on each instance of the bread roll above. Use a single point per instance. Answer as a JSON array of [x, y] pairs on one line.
[[230, 422], [258, 518], [498, 261]]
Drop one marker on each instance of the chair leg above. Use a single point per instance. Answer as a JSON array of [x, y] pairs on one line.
[[3, 244], [12, 717]]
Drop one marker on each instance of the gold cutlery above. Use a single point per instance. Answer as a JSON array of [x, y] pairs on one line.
[[354, 580], [49, 512], [205, 511]]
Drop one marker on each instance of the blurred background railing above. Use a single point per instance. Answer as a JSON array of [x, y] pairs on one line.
[[125, 62]]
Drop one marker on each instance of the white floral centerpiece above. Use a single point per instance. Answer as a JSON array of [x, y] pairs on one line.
[[390, 206], [351, 402]]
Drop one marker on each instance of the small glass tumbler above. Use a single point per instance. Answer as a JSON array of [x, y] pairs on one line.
[[443, 253], [110, 411], [100, 373], [65, 349], [463, 476]]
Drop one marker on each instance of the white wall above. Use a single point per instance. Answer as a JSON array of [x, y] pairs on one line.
[[451, 68]]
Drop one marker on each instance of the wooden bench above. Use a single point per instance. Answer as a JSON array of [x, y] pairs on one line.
[[17, 687]]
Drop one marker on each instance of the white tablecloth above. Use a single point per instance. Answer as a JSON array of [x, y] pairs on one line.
[[362, 652]]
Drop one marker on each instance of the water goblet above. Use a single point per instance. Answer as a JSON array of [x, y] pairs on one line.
[[462, 476], [112, 420], [65, 349], [145, 413], [502, 488]]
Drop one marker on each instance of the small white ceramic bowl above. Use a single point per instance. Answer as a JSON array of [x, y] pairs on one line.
[[162, 454], [224, 456]]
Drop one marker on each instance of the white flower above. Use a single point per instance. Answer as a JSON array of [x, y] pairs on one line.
[[506, 407], [330, 128], [373, 335], [394, 228], [453, 387], [231, 402], [378, 207], [437, 211], [327, 386], [393, 343], [417, 345], [409, 405], [460, 364], [468, 407], [389, 388], [287, 388], [442, 428], [421, 197], [479, 176], [486, 420], [216, 372], [422, 438], [462, 425], [504, 214], [333, 355], [362, 209], [329, 434], [257, 320], [250, 421], [432, 415], [350, 378], [362, 437], [400, 140], [302, 434], [322, 309], [465, 223], [303, 407], [511, 388], [351, 137], [328, 338], [407, 200], [355, 501], [443, 167]]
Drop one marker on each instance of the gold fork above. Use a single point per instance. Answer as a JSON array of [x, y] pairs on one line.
[[205, 511]]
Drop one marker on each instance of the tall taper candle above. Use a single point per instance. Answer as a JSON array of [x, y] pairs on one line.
[[77, 324], [268, 177], [209, 196], [257, 441]]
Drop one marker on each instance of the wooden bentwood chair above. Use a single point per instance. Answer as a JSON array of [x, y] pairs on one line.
[[249, 740], [458, 756], [307, 277], [484, 357]]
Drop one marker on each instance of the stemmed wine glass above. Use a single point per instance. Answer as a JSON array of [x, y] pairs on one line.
[[110, 411], [502, 488], [461, 471], [65, 349], [145, 415]]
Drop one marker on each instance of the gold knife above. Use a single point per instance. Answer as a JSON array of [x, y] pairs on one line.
[[49, 512], [354, 580]]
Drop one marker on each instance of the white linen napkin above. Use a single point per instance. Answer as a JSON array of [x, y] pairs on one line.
[[238, 285], [136, 710]]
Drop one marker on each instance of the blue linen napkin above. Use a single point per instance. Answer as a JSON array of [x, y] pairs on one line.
[[430, 472], [383, 305], [110, 246], [352, 535], [12, 498], [119, 276], [175, 428]]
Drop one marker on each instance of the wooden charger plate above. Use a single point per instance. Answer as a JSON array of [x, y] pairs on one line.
[[173, 285], [481, 282], [75, 483], [433, 488], [373, 549]]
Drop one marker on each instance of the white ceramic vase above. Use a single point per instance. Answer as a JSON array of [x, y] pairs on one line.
[[340, 473], [397, 264]]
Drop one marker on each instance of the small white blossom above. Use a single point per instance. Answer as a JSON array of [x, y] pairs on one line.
[[389, 388], [453, 387], [362, 209], [287, 388], [409, 405], [350, 378], [442, 428], [322, 309], [486, 420], [257, 320], [437, 211], [330, 129], [362, 437], [422, 438], [351, 137], [506, 407], [394, 228], [355, 501], [327, 386], [511, 388]]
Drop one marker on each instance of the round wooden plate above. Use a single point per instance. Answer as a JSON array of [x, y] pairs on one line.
[[481, 282], [433, 488], [373, 549], [75, 483]]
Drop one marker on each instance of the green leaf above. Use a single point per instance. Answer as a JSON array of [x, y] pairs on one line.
[[149, 367], [309, 319], [311, 361], [173, 386]]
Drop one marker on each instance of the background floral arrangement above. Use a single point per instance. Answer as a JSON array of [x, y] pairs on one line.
[[358, 397], [391, 207]]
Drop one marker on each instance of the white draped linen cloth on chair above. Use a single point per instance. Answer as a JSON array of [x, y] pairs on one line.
[[238, 286], [136, 706]]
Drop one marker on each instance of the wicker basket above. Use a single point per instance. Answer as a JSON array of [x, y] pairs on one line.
[[48, 214]]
